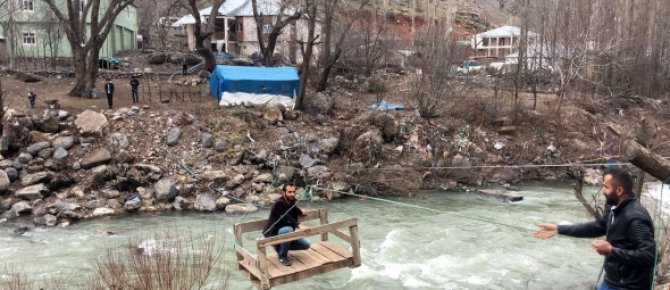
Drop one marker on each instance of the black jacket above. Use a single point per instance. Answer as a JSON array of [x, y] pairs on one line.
[[109, 88], [134, 83], [278, 210], [630, 231]]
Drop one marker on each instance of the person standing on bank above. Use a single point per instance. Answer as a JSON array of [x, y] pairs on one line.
[[184, 67], [31, 98], [109, 90], [628, 247], [283, 220], [134, 85]]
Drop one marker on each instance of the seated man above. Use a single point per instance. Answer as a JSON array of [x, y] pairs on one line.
[[283, 220]]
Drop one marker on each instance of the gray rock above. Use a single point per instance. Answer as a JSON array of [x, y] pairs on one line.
[[46, 220], [220, 145], [111, 194], [257, 186], [328, 145], [97, 157], [36, 147], [206, 140], [12, 173], [35, 178], [118, 141], [46, 153], [320, 103], [132, 204], [593, 176], [21, 207], [148, 168], [273, 113], [291, 115], [286, 173], [4, 181], [62, 114], [204, 203], [60, 154], [65, 142], [318, 172], [173, 136], [263, 178], [180, 203], [96, 203], [76, 166], [165, 190], [236, 181], [47, 124], [222, 202], [217, 176], [8, 163], [340, 186], [123, 157], [91, 123], [69, 214], [32, 192], [114, 204], [24, 158], [240, 209], [102, 211], [306, 161]]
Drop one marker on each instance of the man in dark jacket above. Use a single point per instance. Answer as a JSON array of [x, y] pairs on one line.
[[134, 86], [109, 90], [628, 246], [283, 220]]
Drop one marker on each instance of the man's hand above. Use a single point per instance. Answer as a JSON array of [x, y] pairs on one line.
[[603, 247], [303, 227], [545, 231]]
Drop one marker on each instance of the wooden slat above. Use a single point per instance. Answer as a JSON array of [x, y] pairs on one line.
[[355, 246], [258, 225], [244, 259], [263, 268], [337, 249], [311, 272], [307, 259], [280, 239], [326, 252], [316, 257], [342, 236], [323, 218], [276, 269]]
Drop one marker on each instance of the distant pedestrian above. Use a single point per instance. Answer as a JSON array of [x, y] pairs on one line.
[[31, 97], [134, 85], [109, 90], [184, 67]]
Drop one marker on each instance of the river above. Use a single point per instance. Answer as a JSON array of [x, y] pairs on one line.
[[402, 247]]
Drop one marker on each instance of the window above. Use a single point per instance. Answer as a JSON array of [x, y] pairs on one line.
[[501, 42], [29, 38], [27, 5], [485, 42], [238, 27], [267, 28]]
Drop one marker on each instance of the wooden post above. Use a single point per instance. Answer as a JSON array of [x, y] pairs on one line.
[[323, 217], [263, 267], [238, 235], [355, 245]]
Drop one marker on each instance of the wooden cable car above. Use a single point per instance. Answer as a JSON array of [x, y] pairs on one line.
[[265, 271]]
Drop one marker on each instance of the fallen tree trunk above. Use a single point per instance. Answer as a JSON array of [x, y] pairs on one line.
[[646, 160]]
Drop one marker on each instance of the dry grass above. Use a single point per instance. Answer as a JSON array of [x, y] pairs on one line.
[[164, 263]]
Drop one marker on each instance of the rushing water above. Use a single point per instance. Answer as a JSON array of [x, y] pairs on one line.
[[402, 247]]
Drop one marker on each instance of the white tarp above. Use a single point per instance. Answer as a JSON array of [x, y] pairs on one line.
[[237, 99]]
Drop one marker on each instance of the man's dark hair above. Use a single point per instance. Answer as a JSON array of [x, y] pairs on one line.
[[287, 184], [621, 178]]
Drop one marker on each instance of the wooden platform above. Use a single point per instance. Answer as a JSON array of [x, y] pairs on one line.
[[265, 271]]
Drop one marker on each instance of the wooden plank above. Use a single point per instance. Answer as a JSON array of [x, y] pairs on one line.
[[263, 267], [323, 219], [311, 272], [249, 265], [337, 249], [355, 246], [327, 253], [316, 256], [280, 239], [342, 236], [277, 269], [307, 259]]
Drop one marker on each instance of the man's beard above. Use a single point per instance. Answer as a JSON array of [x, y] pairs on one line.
[[611, 201]]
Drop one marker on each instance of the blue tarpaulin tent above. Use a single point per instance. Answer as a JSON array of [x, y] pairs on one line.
[[282, 81]]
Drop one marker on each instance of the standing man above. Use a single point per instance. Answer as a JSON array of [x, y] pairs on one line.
[[283, 220], [628, 246], [31, 98], [184, 67], [109, 90], [134, 85]]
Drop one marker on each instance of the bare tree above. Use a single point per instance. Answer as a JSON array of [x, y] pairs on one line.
[[307, 49], [265, 27], [203, 33]]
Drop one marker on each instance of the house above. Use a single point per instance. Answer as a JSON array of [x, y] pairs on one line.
[[236, 28], [30, 29], [500, 42]]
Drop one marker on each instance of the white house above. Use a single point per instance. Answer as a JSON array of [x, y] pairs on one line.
[[236, 28], [501, 41]]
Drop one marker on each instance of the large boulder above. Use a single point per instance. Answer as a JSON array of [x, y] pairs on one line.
[[286, 173], [32, 192], [173, 136], [91, 123], [34, 148], [97, 157], [38, 177], [329, 145], [240, 209], [21, 207], [65, 142], [4, 180], [47, 124], [165, 190], [320, 103], [158, 58], [222, 202], [60, 154], [204, 203], [132, 204], [102, 211]]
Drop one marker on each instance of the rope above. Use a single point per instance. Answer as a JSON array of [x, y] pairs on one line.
[[504, 166], [425, 208]]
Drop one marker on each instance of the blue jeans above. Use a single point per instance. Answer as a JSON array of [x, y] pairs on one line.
[[604, 286], [282, 249]]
